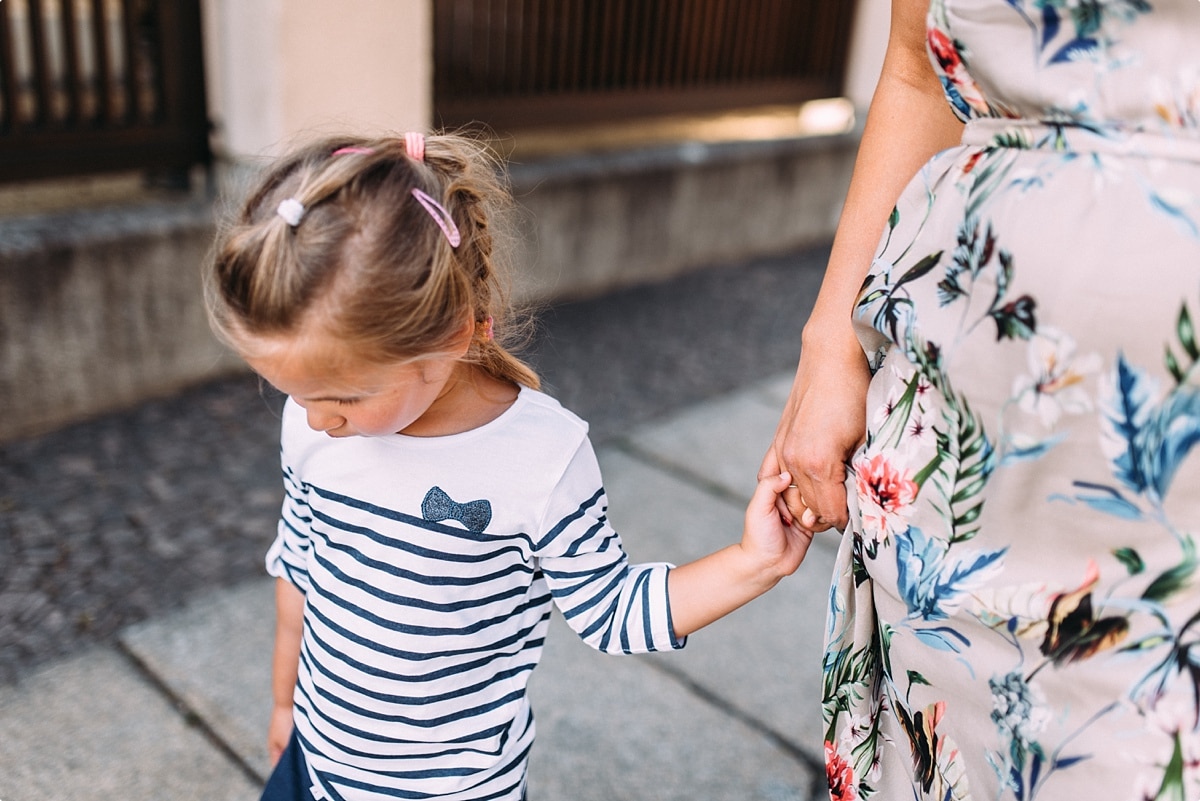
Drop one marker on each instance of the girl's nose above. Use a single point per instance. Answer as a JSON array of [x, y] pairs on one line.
[[322, 420]]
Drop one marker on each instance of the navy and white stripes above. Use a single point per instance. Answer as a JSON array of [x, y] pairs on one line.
[[420, 635]]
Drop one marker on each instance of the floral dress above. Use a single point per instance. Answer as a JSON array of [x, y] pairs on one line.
[[1016, 609]]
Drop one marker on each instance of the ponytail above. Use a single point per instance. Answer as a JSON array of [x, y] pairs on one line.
[[353, 229]]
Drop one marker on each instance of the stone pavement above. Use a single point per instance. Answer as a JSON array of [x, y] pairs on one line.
[[176, 708]]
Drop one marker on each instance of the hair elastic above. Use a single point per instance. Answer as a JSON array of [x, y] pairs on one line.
[[291, 210], [440, 216], [489, 329], [414, 143]]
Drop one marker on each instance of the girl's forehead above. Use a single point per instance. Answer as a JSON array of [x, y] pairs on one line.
[[317, 366]]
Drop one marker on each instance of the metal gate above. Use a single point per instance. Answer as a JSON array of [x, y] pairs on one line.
[[521, 63], [100, 85]]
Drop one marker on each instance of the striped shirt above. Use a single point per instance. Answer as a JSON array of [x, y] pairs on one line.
[[428, 567]]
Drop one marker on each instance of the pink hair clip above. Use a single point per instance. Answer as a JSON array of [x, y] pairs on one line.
[[414, 143], [440, 216], [342, 151]]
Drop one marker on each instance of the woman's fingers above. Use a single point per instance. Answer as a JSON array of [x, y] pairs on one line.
[[828, 509], [818, 498]]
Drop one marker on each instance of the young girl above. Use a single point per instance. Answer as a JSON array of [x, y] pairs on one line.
[[436, 501]]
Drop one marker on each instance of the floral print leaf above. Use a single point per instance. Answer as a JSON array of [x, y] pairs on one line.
[[967, 518], [1017, 453], [1175, 579], [1150, 643], [1187, 333], [1175, 211], [1170, 436], [920, 268], [1172, 788], [914, 677], [1173, 366], [1126, 415], [1003, 277], [934, 582], [1088, 17], [942, 639], [1015, 320], [966, 459], [1074, 49], [949, 289], [1146, 442], [968, 489], [1185, 329], [1050, 24], [1107, 500], [1131, 559], [1075, 634]]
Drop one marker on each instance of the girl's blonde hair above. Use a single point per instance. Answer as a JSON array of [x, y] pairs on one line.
[[367, 260]]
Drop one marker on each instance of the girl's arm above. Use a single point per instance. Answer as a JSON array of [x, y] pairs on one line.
[[771, 548], [289, 624], [824, 419]]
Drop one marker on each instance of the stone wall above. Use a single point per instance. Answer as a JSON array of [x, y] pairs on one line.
[[100, 309]]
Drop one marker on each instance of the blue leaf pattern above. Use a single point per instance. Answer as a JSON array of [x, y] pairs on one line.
[[932, 581], [1127, 415]]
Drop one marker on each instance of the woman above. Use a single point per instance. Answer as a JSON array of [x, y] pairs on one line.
[[998, 399]]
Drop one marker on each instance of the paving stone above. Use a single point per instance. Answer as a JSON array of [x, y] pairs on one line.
[[92, 729], [215, 656], [701, 441], [763, 659], [614, 728]]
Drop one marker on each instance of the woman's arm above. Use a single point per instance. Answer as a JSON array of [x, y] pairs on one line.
[[289, 625], [824, 419]]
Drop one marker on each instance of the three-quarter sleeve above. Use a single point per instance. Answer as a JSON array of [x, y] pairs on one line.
[[614, 606], [287, 558]]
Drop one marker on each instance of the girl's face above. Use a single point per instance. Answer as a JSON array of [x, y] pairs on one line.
[[346, 395]]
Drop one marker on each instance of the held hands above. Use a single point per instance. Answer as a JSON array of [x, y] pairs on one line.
[[771, 538], [822, 425], [772, 547]]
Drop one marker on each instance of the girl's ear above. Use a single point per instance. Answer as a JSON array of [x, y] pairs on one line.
[[462, 340]]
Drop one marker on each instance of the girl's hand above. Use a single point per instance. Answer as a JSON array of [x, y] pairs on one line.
[[821, 426], [279, 732], [772, 546], [770, 538]]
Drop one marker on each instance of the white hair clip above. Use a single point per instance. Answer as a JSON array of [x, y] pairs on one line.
[[291, 210]]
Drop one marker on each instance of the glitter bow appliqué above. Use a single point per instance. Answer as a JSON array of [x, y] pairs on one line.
[[439, 506]]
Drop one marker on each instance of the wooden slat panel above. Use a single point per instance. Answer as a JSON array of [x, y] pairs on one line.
[[543, 55], [100, 105], [8, 72]]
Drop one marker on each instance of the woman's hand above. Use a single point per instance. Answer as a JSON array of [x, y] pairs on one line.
[[822, 425]]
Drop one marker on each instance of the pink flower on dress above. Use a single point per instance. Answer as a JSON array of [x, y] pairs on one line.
[[943, 49], [885, 496], [839, 774], [950, 61]]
